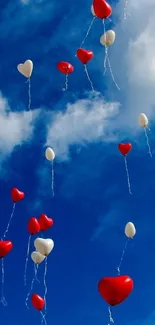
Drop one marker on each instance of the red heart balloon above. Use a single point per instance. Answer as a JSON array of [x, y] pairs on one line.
[[37, 302], [114, 290], [84, 55], [102, 9], [45, 222], [17, 195], [124, 148], [65, 67], [33, 226], [5, 247]]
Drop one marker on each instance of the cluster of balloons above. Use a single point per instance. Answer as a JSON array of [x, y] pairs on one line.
[[102, 10], [114, 290], [43, 246]]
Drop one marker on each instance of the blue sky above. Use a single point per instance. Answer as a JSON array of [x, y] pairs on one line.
[[91, 204]]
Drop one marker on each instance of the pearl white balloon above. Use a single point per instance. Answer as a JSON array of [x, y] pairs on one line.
[[130, 230], [92, 11], [37, 257], [107, 38], [49, 154], [143, 120], [44, 246], [26, 68]]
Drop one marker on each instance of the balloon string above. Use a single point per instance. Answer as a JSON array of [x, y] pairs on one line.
[[35, 272], [125, 10], [52, 179], [43, 318], [147, 140], [27, 257], [29, 96], [110, 316], [88, 31], [106, 50], [86, 71], [31, 288], [3, 300], [45, 286], [122, 257], [7, 229], [106, 59], [127, 173], [66, 83], [112, 76]]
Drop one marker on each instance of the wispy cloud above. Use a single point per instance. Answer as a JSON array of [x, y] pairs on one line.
[[15, 128], [83, 122]]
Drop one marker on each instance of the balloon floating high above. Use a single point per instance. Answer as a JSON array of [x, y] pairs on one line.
[[16, 196], [45, 222], [65, 68], [44, 247], [124, 149], [143, 122], [114, 290], [33, 229], [130, 232], [38, 303], [85, 56], [50, 155], [102, 9], [26, 69], [37, 258], [107, 39], [5, 248]]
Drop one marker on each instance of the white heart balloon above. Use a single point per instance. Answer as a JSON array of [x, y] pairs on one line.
[[37, 257], [26, 68], [44, 246]]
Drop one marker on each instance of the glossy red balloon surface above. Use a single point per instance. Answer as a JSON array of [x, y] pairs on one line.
[[65, 67], [37, 302], [45, 222], [17, 195], [84, 55], [115, 290], [5, 247], [124, 148], [33, 226], [102, 9]]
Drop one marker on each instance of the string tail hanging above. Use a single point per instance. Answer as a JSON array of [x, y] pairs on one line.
[[111, 320]]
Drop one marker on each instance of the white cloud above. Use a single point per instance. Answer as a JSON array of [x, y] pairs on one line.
[[83, 122], [135, 44], [15, 128]]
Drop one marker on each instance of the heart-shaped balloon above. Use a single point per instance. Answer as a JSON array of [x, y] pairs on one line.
[[115, 290], [33, 226], [65, 67], [5, 247], [37, 301], [26, 68], [102, 9], [124, 148], [45, 222], [17, 195], [84, 55], [44, 246], [37, 258]]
